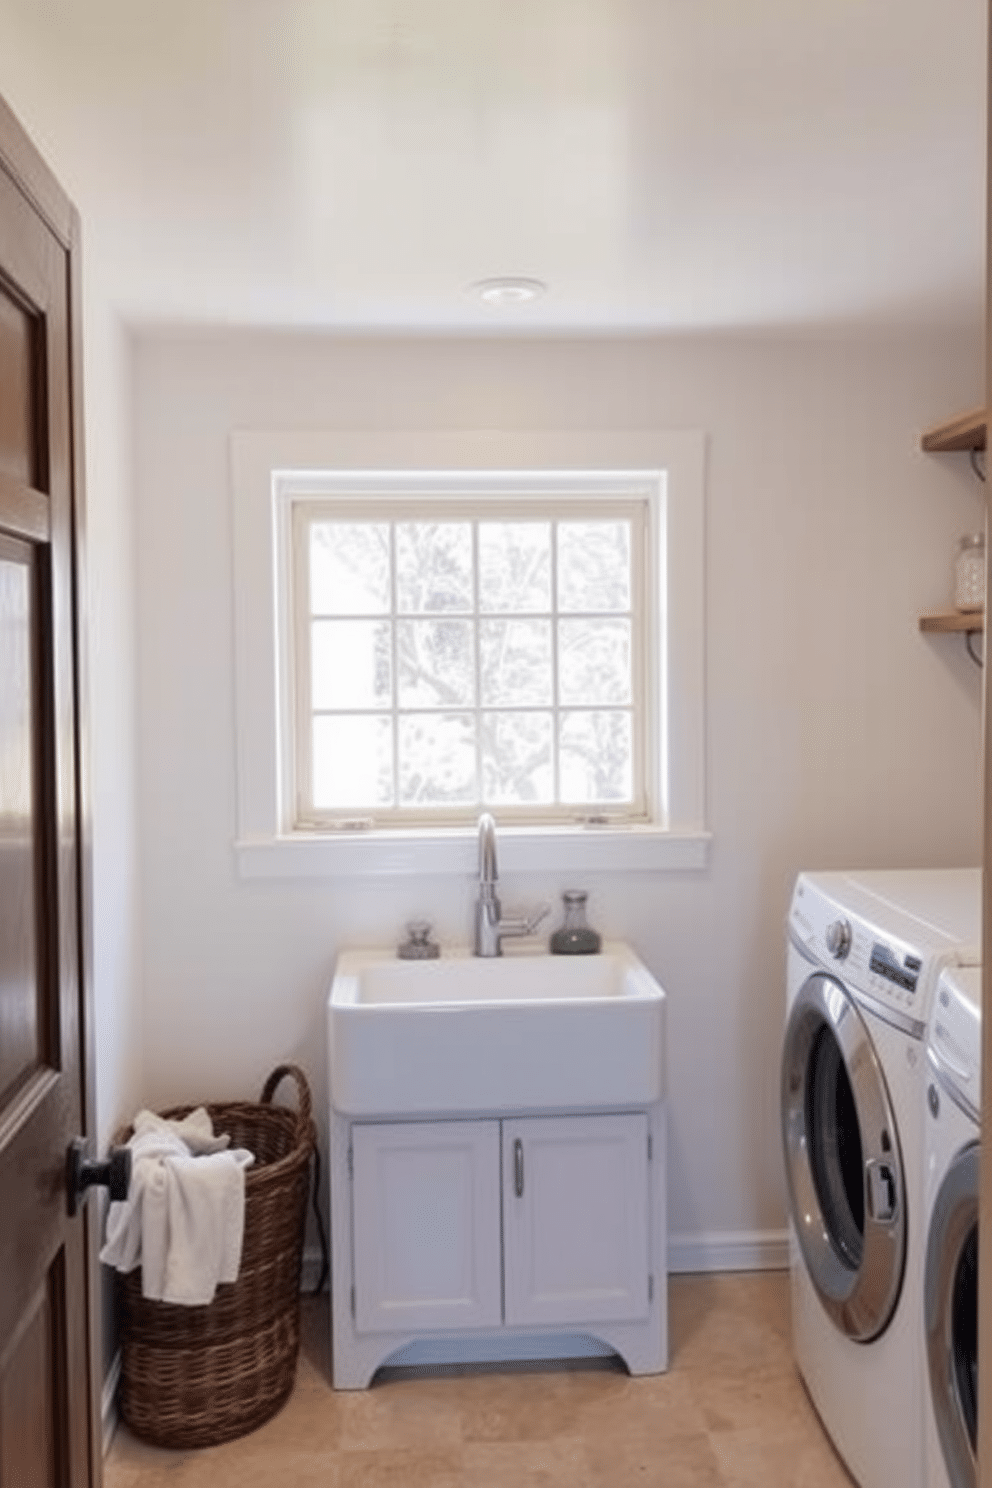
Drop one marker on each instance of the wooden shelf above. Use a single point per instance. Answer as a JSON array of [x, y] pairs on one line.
[[948, 620], [967, 432]]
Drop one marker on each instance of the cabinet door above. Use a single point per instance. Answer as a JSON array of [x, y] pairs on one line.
[[575, 1207], [426, 1226]]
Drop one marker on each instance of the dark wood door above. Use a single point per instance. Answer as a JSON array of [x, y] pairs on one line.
[[46, 1417]]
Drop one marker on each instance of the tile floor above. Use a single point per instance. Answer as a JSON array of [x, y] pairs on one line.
[[730, 1413]]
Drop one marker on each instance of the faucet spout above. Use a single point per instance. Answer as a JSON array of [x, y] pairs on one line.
[[488, 871], [490, 926]]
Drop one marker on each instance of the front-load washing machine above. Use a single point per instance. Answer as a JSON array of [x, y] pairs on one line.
[[952, 1127], [861, 970]]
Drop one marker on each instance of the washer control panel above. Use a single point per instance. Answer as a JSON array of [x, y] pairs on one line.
[[838, 938], [884, 962], [889, 970], [886, 967]]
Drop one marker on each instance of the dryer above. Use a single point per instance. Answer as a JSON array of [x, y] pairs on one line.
[[861, 971], [952, 1127]]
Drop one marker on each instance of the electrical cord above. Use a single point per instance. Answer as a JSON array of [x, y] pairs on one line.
[[325, 1266], [976, 464], [968, 640]]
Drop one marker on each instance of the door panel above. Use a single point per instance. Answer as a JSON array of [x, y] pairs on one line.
[[21, 1033], [45, 1380], [426, 1216], [16, 409], [575, 1206], [33, 1445]]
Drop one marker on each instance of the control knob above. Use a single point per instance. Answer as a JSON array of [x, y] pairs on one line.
[[838, 938]]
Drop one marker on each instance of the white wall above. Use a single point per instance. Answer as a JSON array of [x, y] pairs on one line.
[[30, 84], [837, 734], [110, 585]]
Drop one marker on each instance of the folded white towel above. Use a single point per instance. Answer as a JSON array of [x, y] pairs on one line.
[[196, 1130], [183, 1219]]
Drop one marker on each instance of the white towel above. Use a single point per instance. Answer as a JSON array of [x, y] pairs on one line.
[[183, 1219], [196, 1130]]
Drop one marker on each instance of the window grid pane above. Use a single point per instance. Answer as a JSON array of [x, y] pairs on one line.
[[577, 746], [393, 605], [480, 764], [555, 666]]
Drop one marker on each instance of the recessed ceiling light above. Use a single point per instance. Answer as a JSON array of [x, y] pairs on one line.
[[509, 291]]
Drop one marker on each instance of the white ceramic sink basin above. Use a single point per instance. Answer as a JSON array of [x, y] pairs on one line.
[[518, 1032]]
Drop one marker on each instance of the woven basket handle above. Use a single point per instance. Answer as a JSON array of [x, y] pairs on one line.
[[303, 1113]]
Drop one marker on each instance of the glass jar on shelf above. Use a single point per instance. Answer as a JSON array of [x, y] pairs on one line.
[[969, 573]]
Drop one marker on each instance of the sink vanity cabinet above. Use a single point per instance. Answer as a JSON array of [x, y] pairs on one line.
[[498, 1238], [499, 1232]]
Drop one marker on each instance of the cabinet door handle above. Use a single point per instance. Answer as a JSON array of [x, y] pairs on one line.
[[518, 1167]]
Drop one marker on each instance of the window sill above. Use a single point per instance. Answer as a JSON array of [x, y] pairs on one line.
[[521, 850]]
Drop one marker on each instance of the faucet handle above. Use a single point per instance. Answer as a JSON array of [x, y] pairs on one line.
[[523, 924], [532, 921]]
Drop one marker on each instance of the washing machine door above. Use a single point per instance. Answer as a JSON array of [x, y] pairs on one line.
[[842, 1160], [950, 1316]]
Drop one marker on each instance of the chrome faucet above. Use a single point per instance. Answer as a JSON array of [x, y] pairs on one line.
[[490, 927]]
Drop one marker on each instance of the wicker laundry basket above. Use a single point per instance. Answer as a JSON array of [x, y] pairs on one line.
[[196, 1376]]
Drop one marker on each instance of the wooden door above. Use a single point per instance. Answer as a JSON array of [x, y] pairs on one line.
[[426, 1225], [575, 1219], [47, 1426]]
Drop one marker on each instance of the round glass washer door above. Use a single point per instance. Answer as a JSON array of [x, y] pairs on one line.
[[950, 1316], [843, 1165]]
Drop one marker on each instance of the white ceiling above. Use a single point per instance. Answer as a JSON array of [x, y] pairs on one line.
[[660, 164]]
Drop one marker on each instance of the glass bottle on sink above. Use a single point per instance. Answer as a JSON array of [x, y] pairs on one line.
[[575, 936]]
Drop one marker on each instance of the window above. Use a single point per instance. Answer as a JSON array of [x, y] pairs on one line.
[[432, 624], [454, 656]]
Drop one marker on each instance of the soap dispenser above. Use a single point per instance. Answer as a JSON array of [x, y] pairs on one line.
[[418, 945], [575, 936]]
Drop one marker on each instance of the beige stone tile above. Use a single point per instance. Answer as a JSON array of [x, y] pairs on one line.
[[646, 1460], [730, 1413], [558, 1463], [264, 1467], [310, 1421], [531, 1406], [417, 1413], [690, 1301], [132, 1461], [765, 1294], [398, 1468], [656, 1405], [126, 1475], [728, 1324], [776, 1403], [753, 1458], [314, 1367], [118, 1473]]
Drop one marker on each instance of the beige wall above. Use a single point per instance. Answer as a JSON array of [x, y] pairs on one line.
[[837, 734]]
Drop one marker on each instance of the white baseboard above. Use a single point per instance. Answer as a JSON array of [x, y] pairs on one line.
[[108, 1402], [730, 1250]]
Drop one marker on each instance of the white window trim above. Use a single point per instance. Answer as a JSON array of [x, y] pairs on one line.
[[637, 496], [264, 846]]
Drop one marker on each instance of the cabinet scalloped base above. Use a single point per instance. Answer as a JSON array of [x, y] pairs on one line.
[[505, 1347], [494, 1239]]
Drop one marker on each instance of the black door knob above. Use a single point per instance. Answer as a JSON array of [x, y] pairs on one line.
[[81, 1172]]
